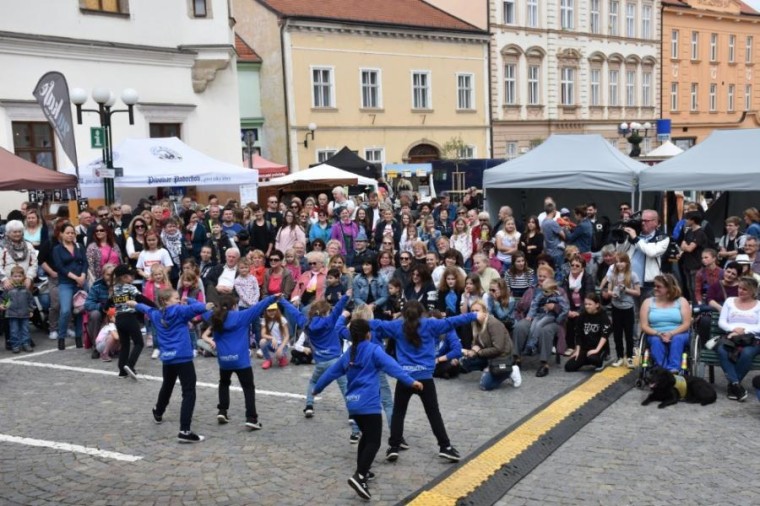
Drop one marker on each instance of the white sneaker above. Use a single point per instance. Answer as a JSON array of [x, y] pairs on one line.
[[70, 333], [195, 353], [629, 363], [155, 353], [516, 377], [259, 354], [618, 362], [53, 334]]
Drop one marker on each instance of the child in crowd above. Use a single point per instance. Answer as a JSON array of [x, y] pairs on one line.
[[447, 353], [188, 289], [107, 342], [246, 285], [333, 288], [622, 285], [301, 354], [538, 316], [709, 274], [291, 263], [408, 238], [274, 337], [18, 306], [127, 320], [170, 322], [158, 281], [361, 366], [230, 331], [392, 307], [592, 336]]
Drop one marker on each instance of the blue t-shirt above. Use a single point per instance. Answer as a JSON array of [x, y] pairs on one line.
[[551, 230]]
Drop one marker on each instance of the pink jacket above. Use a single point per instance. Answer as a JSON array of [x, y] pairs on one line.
[[303, 282]]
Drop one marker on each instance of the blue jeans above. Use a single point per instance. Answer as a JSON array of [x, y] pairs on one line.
[[66, 293], [319, 370], [670, 359], [736, 371], [487, 380], [270, 349], [386, 398], [19, 332]]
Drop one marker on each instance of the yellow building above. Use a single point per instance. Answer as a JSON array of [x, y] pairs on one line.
[[394, 80], [710, 67]]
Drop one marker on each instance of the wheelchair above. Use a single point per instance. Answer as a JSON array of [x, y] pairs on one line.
[[646, 361]]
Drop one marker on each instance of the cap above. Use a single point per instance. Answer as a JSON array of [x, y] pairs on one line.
[[564, 211], [743, 259], [272, 306], [362, 236], [122, 270], [693, 215]]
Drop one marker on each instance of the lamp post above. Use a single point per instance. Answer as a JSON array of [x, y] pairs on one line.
[[632, 133], [312, 129], [106, 99], [249, 138]]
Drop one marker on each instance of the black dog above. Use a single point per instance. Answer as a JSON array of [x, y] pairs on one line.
[[665, 389]]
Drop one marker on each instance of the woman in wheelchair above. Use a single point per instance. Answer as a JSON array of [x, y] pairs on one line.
[[740, 318], [665, 319]]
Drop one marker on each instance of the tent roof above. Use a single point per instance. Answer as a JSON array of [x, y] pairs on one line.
[[259, 162], [666, 150], [167, 161], [324, 175], [726, 160], [578, 162], [19, 174], [349, 161]]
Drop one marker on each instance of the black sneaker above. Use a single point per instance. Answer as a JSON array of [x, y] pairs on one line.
[[741, 393], [359, 484], [132, 374], [222, 417], [189, 437], [95, 353], [391, 454], [27, 348], [308, 411], [370, 476], [123, 375], [253, 424], [355, 437], [450, 453], [732, 392], [156, 417], [403, 445], [16, 350]]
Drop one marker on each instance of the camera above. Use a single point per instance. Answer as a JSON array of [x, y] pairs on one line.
[[617, 234]]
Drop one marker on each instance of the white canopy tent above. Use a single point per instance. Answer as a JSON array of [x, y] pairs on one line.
[[324, 175], [666, 150], [161, 163]]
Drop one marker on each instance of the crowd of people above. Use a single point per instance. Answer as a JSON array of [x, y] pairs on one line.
[[443, 288]]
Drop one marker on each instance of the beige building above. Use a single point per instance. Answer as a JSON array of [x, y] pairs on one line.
[[394, 84]]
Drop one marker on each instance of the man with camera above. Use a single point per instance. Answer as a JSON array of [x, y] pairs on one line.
[[645, 249]]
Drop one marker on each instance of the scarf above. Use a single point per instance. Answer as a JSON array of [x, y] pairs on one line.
[[574, 283], [18, 251], [173, 244]]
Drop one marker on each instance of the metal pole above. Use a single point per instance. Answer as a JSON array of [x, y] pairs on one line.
[[249, 146], [108, 181]]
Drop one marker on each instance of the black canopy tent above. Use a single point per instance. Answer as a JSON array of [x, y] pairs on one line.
[[349, 161]]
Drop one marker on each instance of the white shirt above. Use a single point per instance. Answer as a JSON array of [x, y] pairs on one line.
[[227, 277]]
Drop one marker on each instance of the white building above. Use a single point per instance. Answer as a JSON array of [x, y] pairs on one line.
[[178, 55], [572, 66]]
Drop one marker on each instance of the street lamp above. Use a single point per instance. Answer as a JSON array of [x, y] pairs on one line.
[[106, 99], [312, 128], [249, 138], [633, 135]]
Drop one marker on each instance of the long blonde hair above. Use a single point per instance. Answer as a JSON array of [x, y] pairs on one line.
[[623, 257]]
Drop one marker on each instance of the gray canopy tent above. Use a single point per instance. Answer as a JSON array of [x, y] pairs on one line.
[[561, 166]]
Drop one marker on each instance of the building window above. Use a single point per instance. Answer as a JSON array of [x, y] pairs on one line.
[[567, 14], [695, 45], [713, 47], [511, 151], [510, 84], [531, 18], [371, 94], [464, 91], [630, 88], [713, 97], [534, 91], [731, 48], [694, 104], [165, 130], [113, 6], [646, 89], [200, 9], [674, 44], [748, 53], [596, 86], [646, 21], [421, 90], [614, 98], [322, 87], [509, 12], [34, 141], [595, 16], [730, 99], [630, 20], [567, 86], [674, 97], [374, 155], [325, 154], [466, 152], [614, 11], [747, 97]]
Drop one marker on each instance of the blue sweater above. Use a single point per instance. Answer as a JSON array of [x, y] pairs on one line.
[[419, 362], [450, 346], [363, 393], [171, 329], [232, 342], [321, 330], [345, 333]]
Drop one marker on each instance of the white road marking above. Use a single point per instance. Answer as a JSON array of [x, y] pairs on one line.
[[141, 377], [67, 447], [34, 354]]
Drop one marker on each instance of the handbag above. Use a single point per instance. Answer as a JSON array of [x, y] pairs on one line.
[[500, 366], [78, 301]]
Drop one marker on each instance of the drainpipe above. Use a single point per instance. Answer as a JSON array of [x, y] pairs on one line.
[[283, 26]]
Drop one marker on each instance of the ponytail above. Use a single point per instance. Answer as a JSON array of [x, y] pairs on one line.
[[412, 313], [359, 329], [226, 302]]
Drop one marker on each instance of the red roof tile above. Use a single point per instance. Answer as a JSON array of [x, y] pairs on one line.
[[412, 13], [245, 52]]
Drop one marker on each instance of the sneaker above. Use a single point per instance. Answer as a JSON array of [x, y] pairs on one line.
[[391, 454], [53, 334], [95, 354], [516, 377], [308, 411], [189, 436], [155, 354], [731, 392], [450, 453], [629, 363], [123, 375], [16, 350], [618, 362], [259, 354], [403, 445], [195, 353], [27, 348], [355, 437], [282, 362], [105, 357], [569, 352], [741, 393], [71, 333], [253, 424], [266, 364], [370, 476], [132, 374], [156, 417], [222, 417], [359, 484]]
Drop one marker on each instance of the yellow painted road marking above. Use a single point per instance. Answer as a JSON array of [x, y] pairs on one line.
[[473, 473]]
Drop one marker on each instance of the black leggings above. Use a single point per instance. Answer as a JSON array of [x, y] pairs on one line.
[[622, 321], [429, 401], [245, 377], [128, 327], [372, 432], [575, 364], [186, 374]]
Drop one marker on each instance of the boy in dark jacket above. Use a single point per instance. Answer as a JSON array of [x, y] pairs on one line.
[[18, 306]]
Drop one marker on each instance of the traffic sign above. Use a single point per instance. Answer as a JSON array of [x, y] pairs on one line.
[[97, 137]]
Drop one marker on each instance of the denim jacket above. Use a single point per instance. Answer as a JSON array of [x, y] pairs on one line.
[[362, 287]]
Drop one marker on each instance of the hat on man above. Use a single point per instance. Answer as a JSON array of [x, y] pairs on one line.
[[361, 237], [564, 212], [742, 259], [122, 270]]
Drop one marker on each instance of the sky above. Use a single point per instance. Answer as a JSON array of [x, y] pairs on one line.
[[755, 4]]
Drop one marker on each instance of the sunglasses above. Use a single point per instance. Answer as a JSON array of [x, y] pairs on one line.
[[483, 221], [387, 243], [462, 214], [103, 215], [272, 201], [275, 259], [139, 226], [99, 230], [405, 259]]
